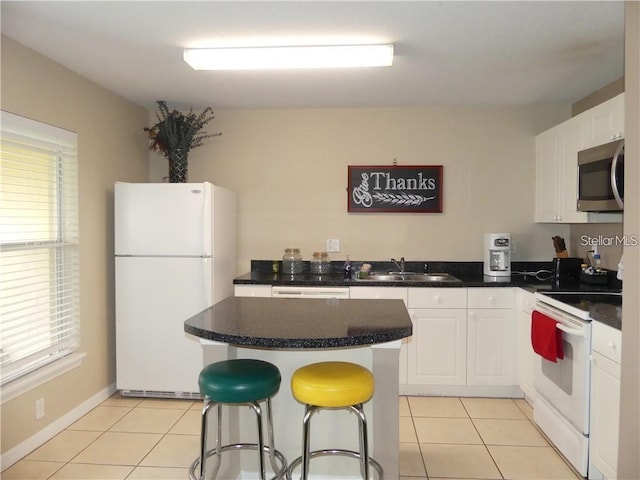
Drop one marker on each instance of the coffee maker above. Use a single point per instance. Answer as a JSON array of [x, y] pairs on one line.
[[497, 256]]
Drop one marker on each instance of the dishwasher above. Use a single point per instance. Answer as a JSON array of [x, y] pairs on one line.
[[309, 292]]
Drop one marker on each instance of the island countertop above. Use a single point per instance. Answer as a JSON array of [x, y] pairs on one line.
[[301, 323]]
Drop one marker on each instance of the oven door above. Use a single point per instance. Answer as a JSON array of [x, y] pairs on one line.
[[565, 384]]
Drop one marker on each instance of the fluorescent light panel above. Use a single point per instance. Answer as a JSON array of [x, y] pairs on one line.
[[263, 58]]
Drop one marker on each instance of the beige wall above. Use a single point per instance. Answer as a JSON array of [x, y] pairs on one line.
[[289, 170], [628, 459], [611, 236], [111, 146]]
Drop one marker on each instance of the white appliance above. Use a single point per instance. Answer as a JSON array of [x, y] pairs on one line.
[[309, 292], [497, 255], [175, 247], [562, 407]]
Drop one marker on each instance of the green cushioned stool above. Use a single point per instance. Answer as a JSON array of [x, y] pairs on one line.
[[239, 382]]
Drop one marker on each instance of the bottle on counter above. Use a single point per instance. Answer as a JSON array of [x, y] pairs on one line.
[[320, 263], [596, 261], [347, 268], [291, 261]]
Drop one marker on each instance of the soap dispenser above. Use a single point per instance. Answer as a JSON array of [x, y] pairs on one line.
[[347, 268]]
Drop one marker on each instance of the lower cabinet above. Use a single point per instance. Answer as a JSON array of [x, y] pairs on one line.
[[491, 331], [437, 351], [463, 342], [491, 353], [526, 356], [605, 399], [388, 293]]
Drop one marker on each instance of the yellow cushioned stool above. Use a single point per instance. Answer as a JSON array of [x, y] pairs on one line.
[[333, 385]]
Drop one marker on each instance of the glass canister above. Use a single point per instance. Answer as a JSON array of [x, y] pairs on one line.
[[320, 263], [291, 261]]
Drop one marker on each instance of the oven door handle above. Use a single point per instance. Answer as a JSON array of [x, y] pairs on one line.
[[570, 331]]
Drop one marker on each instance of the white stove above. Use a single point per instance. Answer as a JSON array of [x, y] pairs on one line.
[[579, 304]]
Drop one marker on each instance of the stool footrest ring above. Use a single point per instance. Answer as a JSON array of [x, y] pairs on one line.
[[283, 471], [337, 451]]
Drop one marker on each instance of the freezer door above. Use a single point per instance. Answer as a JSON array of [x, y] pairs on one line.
[[154, 296], [163, 219]]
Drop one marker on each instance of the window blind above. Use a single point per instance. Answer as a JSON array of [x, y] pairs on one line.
[[39, 274]]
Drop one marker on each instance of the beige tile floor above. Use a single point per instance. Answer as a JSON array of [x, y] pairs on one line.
[[441, 438]]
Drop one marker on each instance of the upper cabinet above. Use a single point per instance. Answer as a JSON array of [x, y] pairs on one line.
[[557, 162], [605, 122]]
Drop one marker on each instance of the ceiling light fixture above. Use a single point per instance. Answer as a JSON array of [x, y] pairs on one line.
[[264, 58]]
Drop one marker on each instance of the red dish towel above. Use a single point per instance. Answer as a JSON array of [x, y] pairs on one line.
[[546, 339]]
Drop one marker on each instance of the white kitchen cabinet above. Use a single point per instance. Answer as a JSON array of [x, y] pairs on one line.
[[437, 351], [526, 357], [605, 122], [548, 179], [438, 359], [557, 162], [557, 174], [605, 399], [252, 290], [491, 330], [379, 293], [387, 293]]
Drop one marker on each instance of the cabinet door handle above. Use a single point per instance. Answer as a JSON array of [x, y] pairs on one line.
[[611, 345]]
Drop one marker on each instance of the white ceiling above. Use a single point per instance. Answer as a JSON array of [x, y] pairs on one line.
[[504, 52]]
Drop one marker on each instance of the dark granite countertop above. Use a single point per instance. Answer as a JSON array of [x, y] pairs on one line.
[[531, 275], [608, 314], [301, 323]]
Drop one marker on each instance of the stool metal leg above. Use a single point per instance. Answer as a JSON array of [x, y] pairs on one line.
[[364, 441], [306, 431], [280, 471], [272, 453], [362, 455], [203, 437], [256, 408]]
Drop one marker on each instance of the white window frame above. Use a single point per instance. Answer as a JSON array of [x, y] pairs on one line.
[[40, 327]]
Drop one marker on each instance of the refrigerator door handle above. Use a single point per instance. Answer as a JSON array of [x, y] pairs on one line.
[[207, 210]]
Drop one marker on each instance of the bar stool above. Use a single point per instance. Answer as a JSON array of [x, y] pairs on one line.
[[333, 385], [236, 383]]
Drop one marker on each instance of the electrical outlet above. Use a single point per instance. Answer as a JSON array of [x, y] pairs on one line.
[[333, 245], [39, 408]]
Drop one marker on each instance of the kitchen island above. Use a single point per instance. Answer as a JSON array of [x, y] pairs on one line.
[[292, 333]]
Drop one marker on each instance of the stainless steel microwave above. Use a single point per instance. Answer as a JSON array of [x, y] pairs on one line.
[[601, 178]]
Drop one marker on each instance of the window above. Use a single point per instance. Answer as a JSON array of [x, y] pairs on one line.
[[39, 277]]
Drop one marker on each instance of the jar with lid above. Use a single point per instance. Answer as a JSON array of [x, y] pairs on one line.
[[291, 261], [320, 263]]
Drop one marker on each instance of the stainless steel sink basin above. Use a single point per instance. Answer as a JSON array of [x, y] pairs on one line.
[[408, 277]]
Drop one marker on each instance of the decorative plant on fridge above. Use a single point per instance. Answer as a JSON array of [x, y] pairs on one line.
[[176, 134]]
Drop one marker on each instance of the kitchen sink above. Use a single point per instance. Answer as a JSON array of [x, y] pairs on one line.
[[408, 277]]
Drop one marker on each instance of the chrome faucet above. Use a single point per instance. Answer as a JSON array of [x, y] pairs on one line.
[[401, 266]]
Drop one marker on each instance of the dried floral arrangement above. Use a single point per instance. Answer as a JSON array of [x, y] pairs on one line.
[[177, 133]]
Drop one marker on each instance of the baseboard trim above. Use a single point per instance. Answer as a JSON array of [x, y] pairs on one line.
[[30, 444]]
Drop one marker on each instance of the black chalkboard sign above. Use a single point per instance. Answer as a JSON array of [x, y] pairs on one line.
[[414, 189]]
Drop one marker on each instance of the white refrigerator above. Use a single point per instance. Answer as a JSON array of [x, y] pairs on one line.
[[175, 251]]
